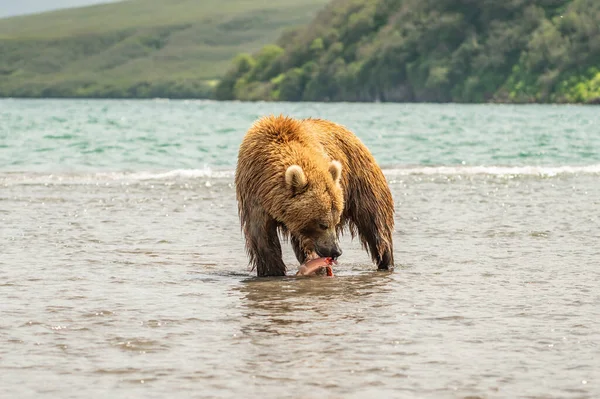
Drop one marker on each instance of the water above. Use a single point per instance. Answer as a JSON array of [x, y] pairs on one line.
[[123, 272]]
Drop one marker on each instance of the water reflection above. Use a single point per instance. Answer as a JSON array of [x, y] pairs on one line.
[[286, 306]]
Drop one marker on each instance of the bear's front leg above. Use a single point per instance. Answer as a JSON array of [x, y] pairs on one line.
[[263, 244]]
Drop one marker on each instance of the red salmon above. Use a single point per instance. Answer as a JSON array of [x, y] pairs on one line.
[[317, 266]]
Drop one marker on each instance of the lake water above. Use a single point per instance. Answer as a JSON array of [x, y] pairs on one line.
[[123, 272]]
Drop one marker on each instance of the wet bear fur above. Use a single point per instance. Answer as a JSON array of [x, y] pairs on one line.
[[307, 180]]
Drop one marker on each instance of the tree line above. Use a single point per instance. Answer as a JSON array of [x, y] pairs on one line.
[[430, 51]]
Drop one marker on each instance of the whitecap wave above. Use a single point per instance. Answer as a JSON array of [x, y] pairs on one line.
[[173, 174], [117, 177], [209, 175], [462, 170]]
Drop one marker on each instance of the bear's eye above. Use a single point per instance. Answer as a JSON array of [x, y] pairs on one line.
[[323, 226]]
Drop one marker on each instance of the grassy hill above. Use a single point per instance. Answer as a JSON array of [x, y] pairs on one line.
[[430, 51], [138, 48]]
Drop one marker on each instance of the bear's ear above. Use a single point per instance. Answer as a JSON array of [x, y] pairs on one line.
[[295, 178], [335, 168]]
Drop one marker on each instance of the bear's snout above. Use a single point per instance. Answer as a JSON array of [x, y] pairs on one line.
[[329, 252], [336, 253]]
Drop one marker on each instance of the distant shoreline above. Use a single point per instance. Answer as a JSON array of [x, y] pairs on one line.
[[595, 101]]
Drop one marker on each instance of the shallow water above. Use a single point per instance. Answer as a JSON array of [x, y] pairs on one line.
[[127, 277]]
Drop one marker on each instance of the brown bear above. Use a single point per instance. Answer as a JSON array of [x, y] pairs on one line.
[[307, 180]]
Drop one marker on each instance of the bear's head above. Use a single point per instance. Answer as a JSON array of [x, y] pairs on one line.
[[315, 207]]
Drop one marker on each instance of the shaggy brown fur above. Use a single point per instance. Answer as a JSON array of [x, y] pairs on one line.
[[308, 179]]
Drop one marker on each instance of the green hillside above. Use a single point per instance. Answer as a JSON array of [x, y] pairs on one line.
[[138, 48], [430, 50]]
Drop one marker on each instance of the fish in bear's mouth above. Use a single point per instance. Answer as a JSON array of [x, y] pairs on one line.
[[317, 267]]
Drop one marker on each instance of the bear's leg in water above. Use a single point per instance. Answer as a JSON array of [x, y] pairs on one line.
[[379, 244], [373, 215], [263, 244]]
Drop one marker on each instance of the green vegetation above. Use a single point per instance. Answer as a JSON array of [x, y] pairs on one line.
[[138, 48], [430, 50]]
